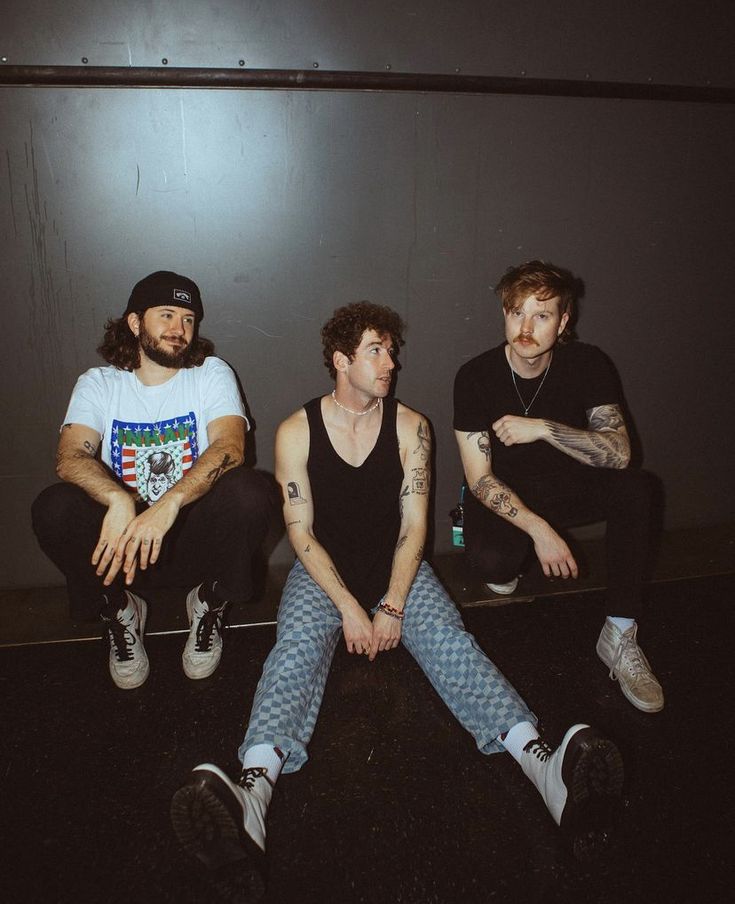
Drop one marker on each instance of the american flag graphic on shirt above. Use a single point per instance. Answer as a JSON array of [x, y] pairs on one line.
[[150, 458]]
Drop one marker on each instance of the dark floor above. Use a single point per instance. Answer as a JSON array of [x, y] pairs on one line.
[[396, 804]]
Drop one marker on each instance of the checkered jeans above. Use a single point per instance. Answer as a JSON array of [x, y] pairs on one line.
[[291, 688]]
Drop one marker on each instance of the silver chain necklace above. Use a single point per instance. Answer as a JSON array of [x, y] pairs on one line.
[[357, 413], [527, 408]]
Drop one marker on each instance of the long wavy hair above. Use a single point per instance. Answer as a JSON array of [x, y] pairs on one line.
[[120, 347]]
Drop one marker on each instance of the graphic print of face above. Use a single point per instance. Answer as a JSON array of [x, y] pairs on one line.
[[160, 475]]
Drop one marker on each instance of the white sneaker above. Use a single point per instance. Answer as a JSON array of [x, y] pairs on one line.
[[203, 649], [128, 659], [580, 783], [504, 589], [620, 652], [222, 822]]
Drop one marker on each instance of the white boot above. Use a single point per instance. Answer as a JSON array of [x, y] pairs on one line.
[[220, 821], [579, 782]]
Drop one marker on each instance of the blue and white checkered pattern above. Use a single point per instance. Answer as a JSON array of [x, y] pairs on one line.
[[291, 688]]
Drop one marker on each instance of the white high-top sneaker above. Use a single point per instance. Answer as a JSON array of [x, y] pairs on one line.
[[580, 783], [620, 652], [221, 822]]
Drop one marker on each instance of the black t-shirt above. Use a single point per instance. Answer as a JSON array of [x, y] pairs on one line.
[[580, 377]]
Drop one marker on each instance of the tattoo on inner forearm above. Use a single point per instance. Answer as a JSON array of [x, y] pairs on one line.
[[307, 548], [604, 445], [419, 554], [337, 578], [400, 543], [289, 523], [496, 495], [217, 472], [294, 493], [404, 492], [483, 443]]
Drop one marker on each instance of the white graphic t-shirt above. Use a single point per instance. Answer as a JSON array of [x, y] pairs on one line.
[[152, 435]]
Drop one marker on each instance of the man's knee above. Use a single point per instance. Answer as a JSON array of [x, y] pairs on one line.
[[55, 509], [246, 494]]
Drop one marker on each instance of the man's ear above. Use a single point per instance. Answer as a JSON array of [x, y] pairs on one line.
[[340, 361], [134, 323], [562, 323]]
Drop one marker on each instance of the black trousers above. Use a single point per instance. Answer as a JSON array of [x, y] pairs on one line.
[[213, 538], [497, 550]]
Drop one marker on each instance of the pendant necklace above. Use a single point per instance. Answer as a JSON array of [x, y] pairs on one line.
[[349, 410], [527, 408]]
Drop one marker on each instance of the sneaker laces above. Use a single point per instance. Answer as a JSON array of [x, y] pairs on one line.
[[205, 630], [538, 748], [247, 779], [121, 639], [630, 655]]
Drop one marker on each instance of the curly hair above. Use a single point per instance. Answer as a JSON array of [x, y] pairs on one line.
[[120, 347], [344, 330], [545, 281]]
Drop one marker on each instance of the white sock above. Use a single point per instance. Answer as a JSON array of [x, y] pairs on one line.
[[263, 755], [518, 737], [621, 623]]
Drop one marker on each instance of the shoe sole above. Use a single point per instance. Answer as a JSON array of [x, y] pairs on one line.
[[124, 683], [207, 827], [593, 774]]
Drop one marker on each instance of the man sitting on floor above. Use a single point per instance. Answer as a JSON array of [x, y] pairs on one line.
[[353, 466], [544, 446], [165, 501]]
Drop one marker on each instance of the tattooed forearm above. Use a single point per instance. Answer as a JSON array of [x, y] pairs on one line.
[[291, 523], [483, 443], [404, 492], [217, 472], [337, 578], [400, 543], [495, 495], [294, 493], [424, 436], [604, 445], [419, 554], [307, 548]]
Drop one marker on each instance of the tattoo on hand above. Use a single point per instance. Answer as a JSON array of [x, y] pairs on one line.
[[294, 493], [495, 495], [217, 472]]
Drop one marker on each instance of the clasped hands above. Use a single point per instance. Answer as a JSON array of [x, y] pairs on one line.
[[367, 637], [128, 541]]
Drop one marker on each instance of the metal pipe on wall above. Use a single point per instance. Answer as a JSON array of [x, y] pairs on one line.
[[338, 80]]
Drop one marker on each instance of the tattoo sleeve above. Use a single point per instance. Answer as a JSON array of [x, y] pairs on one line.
[[604, 445], [495, 494]]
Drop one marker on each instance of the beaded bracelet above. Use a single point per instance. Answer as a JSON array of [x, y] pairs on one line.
[[391, 610]]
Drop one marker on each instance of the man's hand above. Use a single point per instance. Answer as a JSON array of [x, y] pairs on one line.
[[357, 629], [144, 537], [553, 553], [120, 513], [386, 633], [512, 430]]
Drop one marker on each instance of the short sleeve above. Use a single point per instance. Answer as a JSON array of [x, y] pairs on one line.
[[222, 395], [87, 404], [602, 384], [470, 414]]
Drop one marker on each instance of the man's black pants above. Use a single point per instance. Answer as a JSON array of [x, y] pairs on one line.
[[213, 538], [497, 550]]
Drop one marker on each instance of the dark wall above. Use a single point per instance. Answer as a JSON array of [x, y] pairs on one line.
[[283, 205]]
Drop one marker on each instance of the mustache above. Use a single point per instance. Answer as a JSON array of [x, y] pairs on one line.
[[524, 338]]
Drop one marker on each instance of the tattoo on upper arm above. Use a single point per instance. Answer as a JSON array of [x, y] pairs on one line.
[[495, 495], [294, 493], [604, 445], [420, 481], [90, 448], [217, 472], [424, 437], [483, 443], [289, 523]]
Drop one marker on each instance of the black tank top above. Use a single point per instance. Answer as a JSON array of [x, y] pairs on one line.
[[356, 510]]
